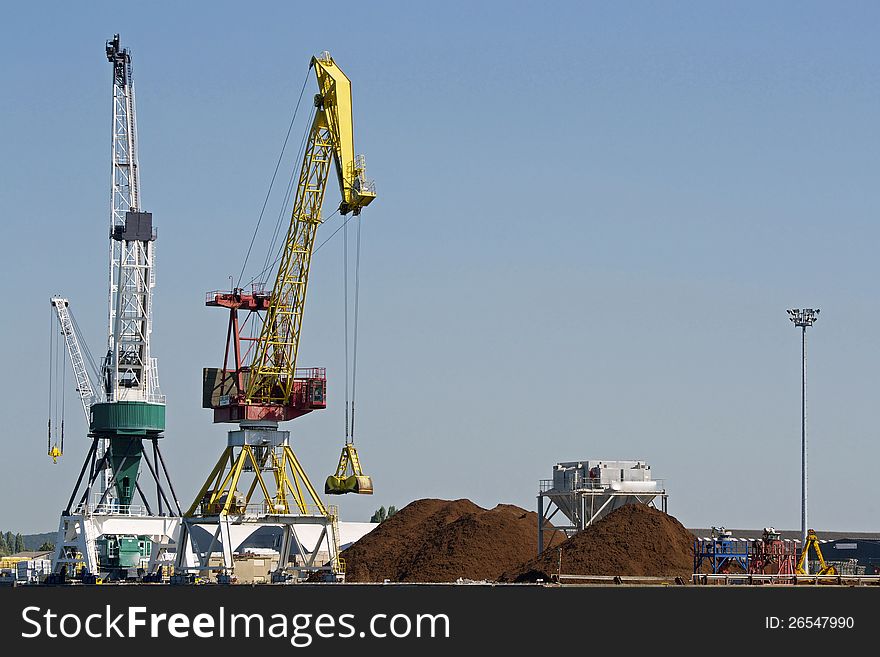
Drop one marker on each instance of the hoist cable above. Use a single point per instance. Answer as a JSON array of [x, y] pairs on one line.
[[58, 392], [280, 250], [88, 354], [280, 253], [285, 210], [51, 364], [333, 234], [272, 182], [357, 286], [63, 390], [345, 323]]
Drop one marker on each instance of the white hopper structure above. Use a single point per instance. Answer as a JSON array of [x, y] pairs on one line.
[[584, 491]]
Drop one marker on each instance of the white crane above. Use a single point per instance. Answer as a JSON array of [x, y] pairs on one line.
[[110, 505]]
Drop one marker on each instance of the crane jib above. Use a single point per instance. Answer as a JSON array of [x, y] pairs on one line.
[[331, 138]]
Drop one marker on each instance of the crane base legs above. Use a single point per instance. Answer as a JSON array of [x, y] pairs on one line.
[[89, 543], [258, 484], [307, 546]]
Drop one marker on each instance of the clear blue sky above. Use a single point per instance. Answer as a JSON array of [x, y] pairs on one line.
[[591, 219]]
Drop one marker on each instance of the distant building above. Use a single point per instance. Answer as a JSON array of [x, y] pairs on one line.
[[855, 553], [28, 566]]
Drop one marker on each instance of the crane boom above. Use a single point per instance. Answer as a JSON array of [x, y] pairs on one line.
[[84, 389], [335, 114], [331, 136]]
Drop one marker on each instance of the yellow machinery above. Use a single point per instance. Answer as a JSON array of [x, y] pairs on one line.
[[258, 392], [813, 542], [258, 479], [341, 483], [331, 136], [55, 452]]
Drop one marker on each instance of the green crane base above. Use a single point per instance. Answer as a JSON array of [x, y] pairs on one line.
[[128, 418]]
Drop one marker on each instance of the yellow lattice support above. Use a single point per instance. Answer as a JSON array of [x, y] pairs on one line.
[[221, 494]]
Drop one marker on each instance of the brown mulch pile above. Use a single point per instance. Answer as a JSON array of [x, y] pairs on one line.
[[443, 540], [634, 540]]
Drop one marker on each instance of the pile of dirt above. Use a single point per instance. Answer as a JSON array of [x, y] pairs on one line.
[[443, 540], [634, 540]]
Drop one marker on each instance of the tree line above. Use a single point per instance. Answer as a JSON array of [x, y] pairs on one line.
[[13, 543], [382, 514]]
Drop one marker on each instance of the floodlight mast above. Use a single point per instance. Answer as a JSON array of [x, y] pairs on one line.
[[803, 318]]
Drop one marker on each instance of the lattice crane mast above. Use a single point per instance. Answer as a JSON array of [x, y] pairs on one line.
[[130, 372]]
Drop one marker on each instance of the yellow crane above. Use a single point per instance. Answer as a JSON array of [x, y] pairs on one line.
[[813, 542], [259, 383], [331, 135], [258, 480]]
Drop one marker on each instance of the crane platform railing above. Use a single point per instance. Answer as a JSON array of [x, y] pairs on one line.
[[263, 510], [256, 291], [155, 397], [110, 508], [301, 378]]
